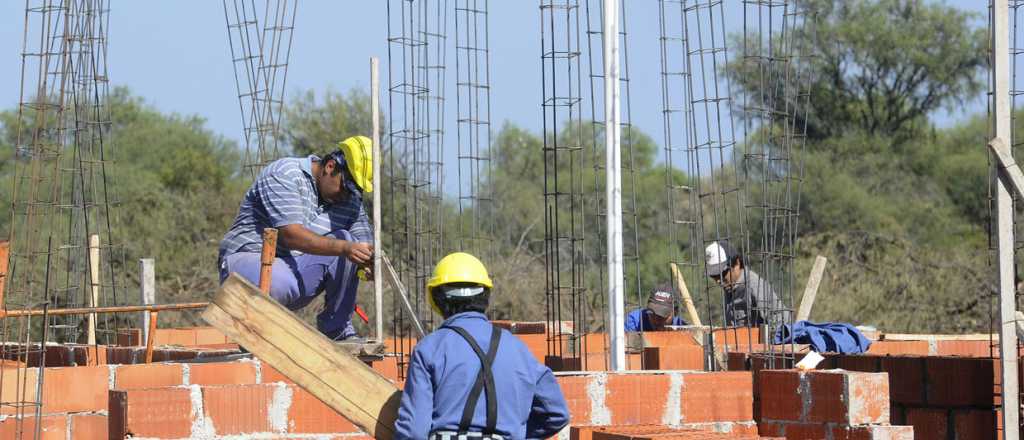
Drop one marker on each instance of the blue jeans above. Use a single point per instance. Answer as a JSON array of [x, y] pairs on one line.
[[296, 281]]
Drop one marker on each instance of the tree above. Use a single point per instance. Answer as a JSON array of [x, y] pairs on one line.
[[314, 126], [879, 66]]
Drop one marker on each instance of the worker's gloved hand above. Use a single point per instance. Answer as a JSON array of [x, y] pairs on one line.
[[359, 253]]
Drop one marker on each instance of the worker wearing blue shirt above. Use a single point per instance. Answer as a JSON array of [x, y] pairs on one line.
[[470, 379], [658, 313]]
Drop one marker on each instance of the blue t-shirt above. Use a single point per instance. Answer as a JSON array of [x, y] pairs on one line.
[[634, 318]]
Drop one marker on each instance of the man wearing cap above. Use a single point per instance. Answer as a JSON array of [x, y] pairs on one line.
[[324, 236], [659, 312], [749, 300]]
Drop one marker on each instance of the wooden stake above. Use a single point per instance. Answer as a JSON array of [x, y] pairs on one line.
[[305, 356], [5, 248], [151, 338], [685, 293], [378, 281], [147, 291], [267, 258], [94, 273], [812, 288]]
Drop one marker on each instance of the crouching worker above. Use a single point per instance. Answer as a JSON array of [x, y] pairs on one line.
[[470, 379]]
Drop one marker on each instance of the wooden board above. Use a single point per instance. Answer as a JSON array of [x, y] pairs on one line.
[[685, 293], [811, 290], [305, 356], [914, 337]]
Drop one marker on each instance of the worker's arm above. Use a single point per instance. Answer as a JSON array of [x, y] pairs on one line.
[[415, 413], [549, 412], [280, 195], [299, 238]]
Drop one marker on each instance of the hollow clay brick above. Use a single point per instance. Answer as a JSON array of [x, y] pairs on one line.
[[223, 373]]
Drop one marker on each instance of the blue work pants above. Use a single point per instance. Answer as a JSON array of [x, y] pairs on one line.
[[296, 281]]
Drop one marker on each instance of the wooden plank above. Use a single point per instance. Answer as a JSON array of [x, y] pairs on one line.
[[305, 356], [812, 288], [147, 291], [1009, 171], [923, 337], [152, 338], [378, 280], [685, 293], [94, 276]]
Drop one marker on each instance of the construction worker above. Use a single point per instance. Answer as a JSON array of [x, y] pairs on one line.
[[660, 311], [470, 379], [749, 300], [324, 236]]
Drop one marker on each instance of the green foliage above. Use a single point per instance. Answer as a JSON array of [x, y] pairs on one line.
[[899, 207], [879, 66], [314, 126], [178, 189]]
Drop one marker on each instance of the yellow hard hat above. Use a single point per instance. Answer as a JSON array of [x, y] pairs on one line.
[[358, 151], [458, 267]]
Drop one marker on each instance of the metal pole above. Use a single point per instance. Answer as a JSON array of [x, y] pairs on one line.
[[613, 188], [100, 310], [1004, 224], [147, 291], [378, 281]]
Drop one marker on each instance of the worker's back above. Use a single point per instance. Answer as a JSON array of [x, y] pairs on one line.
[[444, 369]]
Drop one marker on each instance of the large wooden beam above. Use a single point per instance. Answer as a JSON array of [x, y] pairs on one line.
[[305, 356]]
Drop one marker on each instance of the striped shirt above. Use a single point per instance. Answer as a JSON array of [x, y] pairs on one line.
[[286, 194]]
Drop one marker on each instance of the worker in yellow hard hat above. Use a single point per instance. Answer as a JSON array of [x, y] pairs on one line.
[[324, 235], [470, 379]]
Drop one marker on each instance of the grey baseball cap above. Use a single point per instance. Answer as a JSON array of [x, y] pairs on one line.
[[661, 301], [717, 256]]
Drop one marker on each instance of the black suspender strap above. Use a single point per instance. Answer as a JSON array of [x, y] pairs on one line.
[[484, 381]]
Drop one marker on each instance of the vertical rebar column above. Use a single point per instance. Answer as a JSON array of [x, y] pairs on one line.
[[90, 189], [473, 128], [40, 137], [682, 174], [259, 57], [705, 201], [427, 179], [772, 160], [405, 90], [564, 206], [595, 203]]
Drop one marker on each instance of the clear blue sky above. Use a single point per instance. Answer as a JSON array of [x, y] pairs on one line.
[[176, 55]]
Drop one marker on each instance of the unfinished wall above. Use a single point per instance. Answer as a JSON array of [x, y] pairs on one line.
[[948, 397]]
